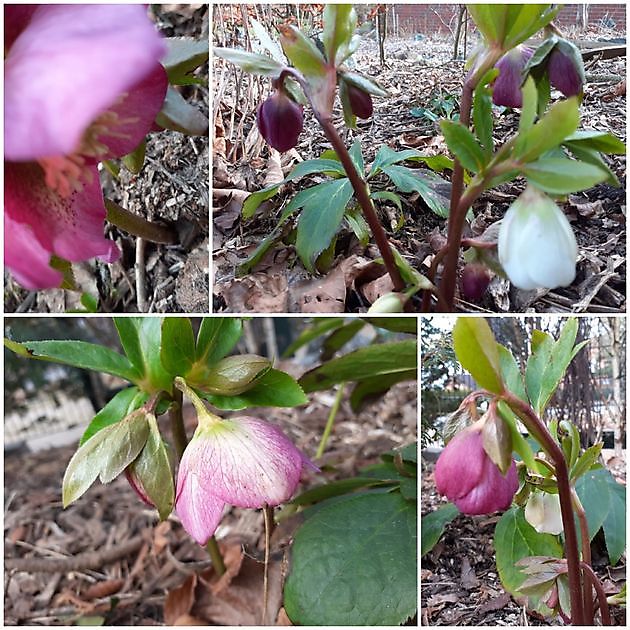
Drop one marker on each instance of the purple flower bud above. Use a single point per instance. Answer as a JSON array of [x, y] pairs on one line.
[[507, 86], [360, 101], [475, 281], [469, 478], [280, 121], [564, 73], [243, 461]]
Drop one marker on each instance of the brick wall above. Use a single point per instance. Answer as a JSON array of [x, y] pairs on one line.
[[437, 18]]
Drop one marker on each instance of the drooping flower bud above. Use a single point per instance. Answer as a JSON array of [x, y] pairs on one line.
[[537, 247], [360, 101], [507, 86], [280, 120], [388, 303], [543, 513], [565, 68], [469, 478], [474, 282]]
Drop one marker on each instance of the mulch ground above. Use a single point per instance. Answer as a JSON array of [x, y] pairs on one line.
[[171, 189], [460, 584], [105, 559], [419, 75]]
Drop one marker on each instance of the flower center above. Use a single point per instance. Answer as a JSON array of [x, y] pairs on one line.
[[68, 174]]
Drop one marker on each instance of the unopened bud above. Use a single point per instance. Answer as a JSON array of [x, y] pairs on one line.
[[388, 303], [507, 86], [360, 101], [280, 121], [236, 374], [566, 70], [474, 282]]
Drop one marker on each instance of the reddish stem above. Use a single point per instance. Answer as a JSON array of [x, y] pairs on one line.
[[540, 432], [601, 596]]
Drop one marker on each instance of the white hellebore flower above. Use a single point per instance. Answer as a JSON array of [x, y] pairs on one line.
[[537, 247], [543, 513]]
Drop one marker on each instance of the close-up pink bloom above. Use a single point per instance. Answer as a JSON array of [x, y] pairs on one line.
[[83, 84], [469, 478], [244, 461]]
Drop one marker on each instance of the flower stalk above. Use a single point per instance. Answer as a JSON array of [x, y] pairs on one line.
[[132, 223]]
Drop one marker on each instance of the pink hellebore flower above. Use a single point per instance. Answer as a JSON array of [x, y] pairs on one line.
[[82, 84], [469, 478], [243, 461], [507, 86]]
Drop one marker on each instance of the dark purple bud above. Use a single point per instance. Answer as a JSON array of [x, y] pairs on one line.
[[474, 282], [565, 69], [360, 101], [507, 86], [280, 121]]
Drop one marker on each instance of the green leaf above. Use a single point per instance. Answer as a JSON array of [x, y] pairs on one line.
[[271, 46], [302, 52], [262, 248], [217, 337], [355, 152], [554, 127], [320, 219], [615, 523], [357, 223], [179, 115], [105, 454], [340, 20], [178, 345], [134, 161], [594, 490], [153, 469], [389, 196], [274, 389], [339, 337], [561, 176], [463, 145], [395, 324], [121, 405], [547, 365], [586, 461], [427, 184], [141, 340], [337, 488], [387, 157], [433, 525], [354, 563], [183, 56], [376, 360], [514, 539], [530, 106], [365, 84], [482, 117], [250, 62], [477, 351], [319, 327], [592, 157], [89, 356], [526, 19], [369, 389], [511, 373], [597, 141]]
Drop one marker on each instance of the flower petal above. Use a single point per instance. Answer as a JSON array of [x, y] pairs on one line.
[[69, 65], [247, 462], [199, 511], [71, 227], [26, 258]]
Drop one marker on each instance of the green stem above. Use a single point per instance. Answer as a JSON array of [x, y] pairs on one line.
[[215, 555], [540, 432], [177, 424], [331, 421], [132, 223]]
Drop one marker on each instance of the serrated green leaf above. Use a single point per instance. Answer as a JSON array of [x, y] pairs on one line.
[[463, 145], [376, 360], [433, 525], [320, 220], [358, 555], [477, 351], [561, 176], [121, 405], [178, 345], [81, 354]]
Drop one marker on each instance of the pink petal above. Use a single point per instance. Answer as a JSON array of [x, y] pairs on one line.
[[135, 114], [26, 258], [16, 18], [494, 492], [247, 462], [199, 511], [69, 65], [71, 227]]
